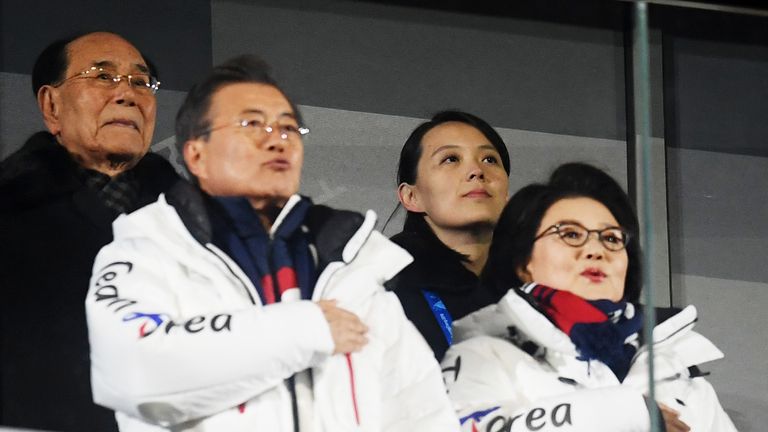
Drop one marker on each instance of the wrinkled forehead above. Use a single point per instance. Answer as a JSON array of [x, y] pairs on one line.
[[104, 50]]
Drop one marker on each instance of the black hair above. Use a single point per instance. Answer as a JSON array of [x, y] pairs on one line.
[[192, 119], [51, 65], [518, 224], [407, 169]]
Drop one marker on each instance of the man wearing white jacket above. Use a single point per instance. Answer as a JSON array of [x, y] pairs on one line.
[[237, 304]]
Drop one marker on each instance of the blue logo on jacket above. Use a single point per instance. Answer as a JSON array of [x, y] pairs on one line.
[[149, 326]]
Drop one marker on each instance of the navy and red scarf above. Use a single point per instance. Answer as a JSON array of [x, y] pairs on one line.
[[600, 329], [277, 263]]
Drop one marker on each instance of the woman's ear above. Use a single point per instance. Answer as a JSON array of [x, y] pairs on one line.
[[524, 274], [409, 198]]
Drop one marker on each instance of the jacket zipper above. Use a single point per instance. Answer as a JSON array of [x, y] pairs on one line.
[[233, 273], [352, 386], [291, 386], [291, 381]]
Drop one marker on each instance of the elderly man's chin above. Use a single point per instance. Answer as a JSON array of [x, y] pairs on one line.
[[123, 148]]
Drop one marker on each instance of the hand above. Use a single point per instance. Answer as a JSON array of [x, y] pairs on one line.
[[672, 419], [347, 330]]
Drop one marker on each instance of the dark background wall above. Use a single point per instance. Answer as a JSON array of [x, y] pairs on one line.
[[175, 35], [550, 75], [406, 61]]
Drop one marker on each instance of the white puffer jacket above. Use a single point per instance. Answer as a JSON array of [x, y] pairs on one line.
[[496, 385], [180, 340]]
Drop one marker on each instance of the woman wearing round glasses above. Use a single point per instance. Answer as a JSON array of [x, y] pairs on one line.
[[563, 347]]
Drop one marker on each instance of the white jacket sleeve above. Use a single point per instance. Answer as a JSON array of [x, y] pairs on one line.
[[419, 401], [701, 409], [157, 358], [399, 384], [487, 398]]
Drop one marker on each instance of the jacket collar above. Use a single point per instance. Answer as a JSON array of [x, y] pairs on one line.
[[336, 234], [513, 318], [39, 171], [43, 170], [434, 265]]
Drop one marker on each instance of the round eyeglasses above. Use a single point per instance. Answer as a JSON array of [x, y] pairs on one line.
[[100, 77], [574, 234], [260, 130]]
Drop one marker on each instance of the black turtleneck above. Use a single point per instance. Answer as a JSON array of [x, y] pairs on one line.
[[438, 269]]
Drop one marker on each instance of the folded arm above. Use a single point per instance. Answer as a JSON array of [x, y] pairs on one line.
[[158, 356]]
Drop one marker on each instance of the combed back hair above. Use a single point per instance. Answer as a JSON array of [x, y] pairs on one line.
[[192, 119], [515, 233], [51, 65], [407, 169]]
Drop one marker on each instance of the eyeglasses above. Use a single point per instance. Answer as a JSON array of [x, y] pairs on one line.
[[573, 234], [259, 130], [100, 77]]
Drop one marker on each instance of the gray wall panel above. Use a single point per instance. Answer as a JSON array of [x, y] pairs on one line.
[[720, 92], [718, 205], [19, 116], [732, 315], [174, 34], [518, 74], [718, 208]]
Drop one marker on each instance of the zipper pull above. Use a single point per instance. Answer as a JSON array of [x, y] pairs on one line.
[[570, 381]]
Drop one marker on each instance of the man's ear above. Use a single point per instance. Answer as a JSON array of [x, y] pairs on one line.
[[409, 198], [50, 105], [195, 157]]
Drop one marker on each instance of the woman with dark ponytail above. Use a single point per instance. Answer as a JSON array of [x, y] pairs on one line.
[[453, 181]]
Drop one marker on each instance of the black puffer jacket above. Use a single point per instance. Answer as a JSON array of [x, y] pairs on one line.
[[438, 269], [51, 227]]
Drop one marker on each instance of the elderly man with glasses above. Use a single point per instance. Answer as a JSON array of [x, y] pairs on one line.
[[238, 304], [60, 193]]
